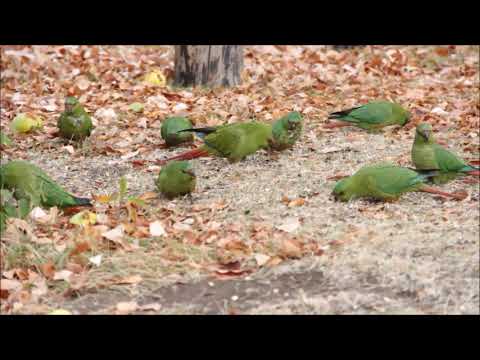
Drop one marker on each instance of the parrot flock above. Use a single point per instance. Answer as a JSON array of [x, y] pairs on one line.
[[31, 187]]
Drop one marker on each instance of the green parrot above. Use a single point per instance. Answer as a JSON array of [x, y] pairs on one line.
[[28, 182], [428, 155], [176, 178], [170, 130], [74, 123], [9, 209], [286, 131], [372, 116], [385, 182], [232, 141]]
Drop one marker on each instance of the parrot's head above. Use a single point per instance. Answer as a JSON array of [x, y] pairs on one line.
[[424, 132], [294, 121], [70, 103], [186, 168], [343, 190]]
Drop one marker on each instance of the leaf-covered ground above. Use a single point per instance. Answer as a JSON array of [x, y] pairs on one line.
[[260, 236]]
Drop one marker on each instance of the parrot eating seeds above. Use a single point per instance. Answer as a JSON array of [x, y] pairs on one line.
[[74, 123], [175, 179], [286, 131], [385, 182]]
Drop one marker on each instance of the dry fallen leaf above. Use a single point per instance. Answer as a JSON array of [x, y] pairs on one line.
[[157, 229], [95, 260], [133, 279], [37, 213], [261, 259], [150, 307], [9, 285], [290, 248], [115, 235], [124, 308], [296, 202], [62, 275], [48, 270], [289, 225]]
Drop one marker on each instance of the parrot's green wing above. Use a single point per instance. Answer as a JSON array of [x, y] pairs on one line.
[[393, 181], [224, 141], [233, 141], [448, 161], [373, 113]]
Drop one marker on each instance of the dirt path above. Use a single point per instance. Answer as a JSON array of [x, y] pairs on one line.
[[418, 255]]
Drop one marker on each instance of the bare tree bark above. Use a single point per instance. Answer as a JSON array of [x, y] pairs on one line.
[[210, 65]]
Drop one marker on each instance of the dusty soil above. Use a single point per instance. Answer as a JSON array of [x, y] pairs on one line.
[[418, 255]]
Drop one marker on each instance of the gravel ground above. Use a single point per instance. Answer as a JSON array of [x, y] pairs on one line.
[[417, 255]]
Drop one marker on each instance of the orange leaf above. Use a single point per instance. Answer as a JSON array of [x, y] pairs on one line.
[[48, 270], [291, 249], [102, 198], [80, 248], [134, 279], [442, 51], [148, 195], [296, 202]]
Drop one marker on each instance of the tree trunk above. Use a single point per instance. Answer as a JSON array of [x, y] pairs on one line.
[[212, 65]]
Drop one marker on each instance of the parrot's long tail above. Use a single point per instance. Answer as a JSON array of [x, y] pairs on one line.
[[336, 125], [188, 155], [82, 201], [458, 195]]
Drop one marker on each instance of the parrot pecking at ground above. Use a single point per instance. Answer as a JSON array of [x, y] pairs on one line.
[[28, 182], [233, 141], [74, 123], [286, 131], [175, 179], [386, 182], [170, 131], [372, 116], [428, 155]]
